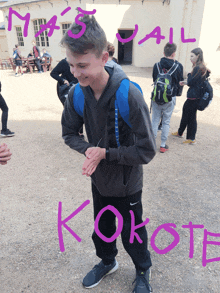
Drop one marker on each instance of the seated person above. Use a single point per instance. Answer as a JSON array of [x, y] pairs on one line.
[[44, 56], [30, 55]]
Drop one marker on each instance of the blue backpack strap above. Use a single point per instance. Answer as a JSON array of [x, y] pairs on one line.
[[78, 100], [121, 105]]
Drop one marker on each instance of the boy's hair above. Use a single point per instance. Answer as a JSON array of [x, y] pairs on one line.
[[93, 39], [16, 46], [110, 49], [169, 49]]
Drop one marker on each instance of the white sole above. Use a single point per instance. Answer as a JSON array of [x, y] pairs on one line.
[[110, 272]]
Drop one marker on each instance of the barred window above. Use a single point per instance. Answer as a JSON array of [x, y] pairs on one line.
[[19, 36], [65, 27], [42, 40]]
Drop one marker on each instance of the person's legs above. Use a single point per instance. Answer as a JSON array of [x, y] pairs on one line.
[[192, 124], [185, 117], [4, 108], [106, 251], [37, 62], [156, 115], [167, 113], [131, 210]]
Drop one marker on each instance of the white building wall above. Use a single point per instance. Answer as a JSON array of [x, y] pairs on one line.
[[113, 16]]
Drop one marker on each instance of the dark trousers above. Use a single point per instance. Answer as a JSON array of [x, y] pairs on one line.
[[37, 62], [189, 119], [4, 108], [107, 226]]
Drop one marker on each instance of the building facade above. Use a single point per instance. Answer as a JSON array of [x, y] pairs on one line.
[[197, 17]]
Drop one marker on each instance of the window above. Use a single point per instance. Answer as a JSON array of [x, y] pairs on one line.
[[65, 27], [19, 36], [42, 40]]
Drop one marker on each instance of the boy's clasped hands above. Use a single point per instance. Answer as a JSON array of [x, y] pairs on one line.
[[93, 157]]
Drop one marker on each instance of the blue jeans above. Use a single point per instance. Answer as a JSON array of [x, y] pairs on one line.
[[157, 111]]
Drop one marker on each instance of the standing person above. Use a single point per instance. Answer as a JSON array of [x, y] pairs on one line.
[[194, 80], [63, 75], [5, 154], [36, 53], [3, 106], [167, 65], [111, 60], [116, 171], [18, 60]]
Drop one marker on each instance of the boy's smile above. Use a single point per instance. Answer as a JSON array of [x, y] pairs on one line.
[[88, 69]]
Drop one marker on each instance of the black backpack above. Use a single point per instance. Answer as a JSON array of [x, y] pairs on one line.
[[163, 87], [206, 95]]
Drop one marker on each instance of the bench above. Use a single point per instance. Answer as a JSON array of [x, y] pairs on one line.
[[46, 65]]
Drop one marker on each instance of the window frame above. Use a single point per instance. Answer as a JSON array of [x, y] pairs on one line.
[[20, 38], [42, 40]]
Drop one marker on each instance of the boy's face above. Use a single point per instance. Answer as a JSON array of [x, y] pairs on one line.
[[87, 68]]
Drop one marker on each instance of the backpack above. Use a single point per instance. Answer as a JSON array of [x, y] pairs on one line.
[[206, 95], [121, 103], [163, 87], [15, 55]]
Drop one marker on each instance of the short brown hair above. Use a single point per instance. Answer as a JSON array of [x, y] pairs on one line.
[[169, 49], [110, 49], [94, 37]]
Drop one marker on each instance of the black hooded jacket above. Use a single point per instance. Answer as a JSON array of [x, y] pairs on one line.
[[177, 76], [122, 174], [194, 81]]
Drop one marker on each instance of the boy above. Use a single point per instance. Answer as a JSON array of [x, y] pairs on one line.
[[116, 172], [166, 109]]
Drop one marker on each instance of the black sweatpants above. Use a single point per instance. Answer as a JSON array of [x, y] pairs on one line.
[[189, 119], [107, 226], [4, 108]]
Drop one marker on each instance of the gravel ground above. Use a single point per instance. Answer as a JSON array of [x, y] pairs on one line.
[[181, 185]]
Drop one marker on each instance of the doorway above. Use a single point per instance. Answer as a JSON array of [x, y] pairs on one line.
[[125, 49]]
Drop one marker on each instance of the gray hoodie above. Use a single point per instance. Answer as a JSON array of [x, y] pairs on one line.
[[122, 174]]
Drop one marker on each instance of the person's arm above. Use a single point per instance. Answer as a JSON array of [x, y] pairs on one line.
[[155, 72], [194, 78], [179, 78], [144, 148], [59, 69], [71, 123]]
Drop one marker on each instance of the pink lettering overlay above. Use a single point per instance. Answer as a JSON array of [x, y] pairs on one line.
[[63, 223]]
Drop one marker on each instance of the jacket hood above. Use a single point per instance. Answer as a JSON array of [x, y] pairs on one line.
[[166, 63]]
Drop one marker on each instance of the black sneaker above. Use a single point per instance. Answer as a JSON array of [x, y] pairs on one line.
[[94, 277], [142, 282], [7, 132]]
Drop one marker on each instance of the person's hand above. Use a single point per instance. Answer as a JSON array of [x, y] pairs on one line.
[[5, 154], [183, 82], [93, 157], [66, 82]]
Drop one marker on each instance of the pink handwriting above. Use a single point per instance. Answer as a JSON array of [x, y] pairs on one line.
[[51, 25], [169, 227]]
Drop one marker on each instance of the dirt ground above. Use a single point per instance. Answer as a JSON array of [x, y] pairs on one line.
[[180, 186]]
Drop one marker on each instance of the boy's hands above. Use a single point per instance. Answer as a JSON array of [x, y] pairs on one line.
[[5, 154], [93, 156], [183, 82]]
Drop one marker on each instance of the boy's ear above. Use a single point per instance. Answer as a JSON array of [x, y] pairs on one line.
[[105, 56]]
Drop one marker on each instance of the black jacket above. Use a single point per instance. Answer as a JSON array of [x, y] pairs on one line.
[[194, 81], [63, 68], [177, 76], [122, 174]]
